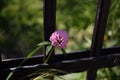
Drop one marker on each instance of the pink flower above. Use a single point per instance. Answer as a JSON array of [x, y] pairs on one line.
[[59, 38]]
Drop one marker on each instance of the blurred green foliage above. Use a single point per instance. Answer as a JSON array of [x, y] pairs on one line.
[[113, 25], [21, 27], [77, 17]]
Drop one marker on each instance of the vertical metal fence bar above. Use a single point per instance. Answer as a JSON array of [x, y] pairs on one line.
[[1, 67], [100, 25], [49, 22], [1, 5], [0, 61], [91, 74], [98, 34]]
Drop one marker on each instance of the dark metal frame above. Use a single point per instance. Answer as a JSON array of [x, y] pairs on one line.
[[80, 61]]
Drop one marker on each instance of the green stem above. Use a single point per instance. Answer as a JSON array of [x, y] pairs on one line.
[[63, 51], [45, 61], [28, 56]]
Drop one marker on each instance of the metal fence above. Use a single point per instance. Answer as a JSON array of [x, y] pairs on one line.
[[90, 61]]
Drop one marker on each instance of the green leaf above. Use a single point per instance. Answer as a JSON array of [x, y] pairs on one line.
[[40, 46], [44, 43], [48, 49], [63, 51], [10, 75], [33, 52], [27, 57]]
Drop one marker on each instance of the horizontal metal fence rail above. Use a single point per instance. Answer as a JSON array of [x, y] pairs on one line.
[[89, 60], [110, 57], [10, 63]]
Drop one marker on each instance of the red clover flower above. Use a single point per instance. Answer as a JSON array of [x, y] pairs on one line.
[[59, 38]]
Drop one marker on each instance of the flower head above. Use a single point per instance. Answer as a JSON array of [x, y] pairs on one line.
[[59, 38]]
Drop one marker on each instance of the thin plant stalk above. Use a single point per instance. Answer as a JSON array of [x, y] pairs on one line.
[[27, 57], [49, 54]]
